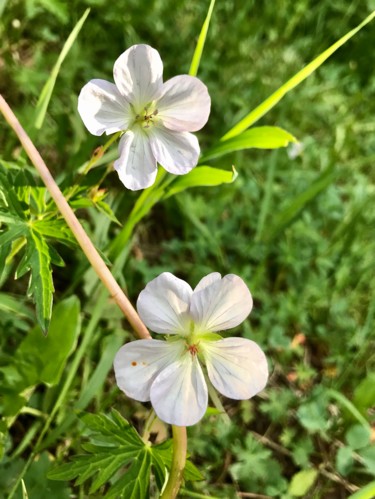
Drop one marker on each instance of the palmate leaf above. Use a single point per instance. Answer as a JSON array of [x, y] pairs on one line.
[[117, 453], [124, 448]]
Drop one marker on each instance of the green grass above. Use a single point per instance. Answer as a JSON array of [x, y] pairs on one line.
[[301, 232]]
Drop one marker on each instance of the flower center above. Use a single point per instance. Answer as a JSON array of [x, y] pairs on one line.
[[147, 117], [192, 349]]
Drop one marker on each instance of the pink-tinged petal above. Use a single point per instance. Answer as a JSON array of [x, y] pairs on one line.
[[237, 367], [164, 303], [179, 393], [138, 74], [136, 165], [177, 152], [102, 108], [138, 363], [223, 304], [184, 104], [207, 281]]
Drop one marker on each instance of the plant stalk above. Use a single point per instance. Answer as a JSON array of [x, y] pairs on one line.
[[84, 241], [178, 463]]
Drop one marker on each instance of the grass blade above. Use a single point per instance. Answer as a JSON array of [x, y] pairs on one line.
[[201, 41], [45, 96], [286, 216], [269, 103]]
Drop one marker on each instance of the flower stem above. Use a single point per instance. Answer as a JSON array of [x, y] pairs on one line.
[[84, 241], [178, 463]]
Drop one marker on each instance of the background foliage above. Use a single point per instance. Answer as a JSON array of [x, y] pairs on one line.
[[297, 225]]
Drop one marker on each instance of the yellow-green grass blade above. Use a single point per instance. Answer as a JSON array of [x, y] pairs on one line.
[[269, 103], [45, 96], [194, 66]]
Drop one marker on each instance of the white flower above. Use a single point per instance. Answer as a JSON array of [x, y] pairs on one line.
[[170, 373], [155, 116]]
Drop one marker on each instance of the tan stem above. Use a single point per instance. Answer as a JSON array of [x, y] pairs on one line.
[[84, 241]]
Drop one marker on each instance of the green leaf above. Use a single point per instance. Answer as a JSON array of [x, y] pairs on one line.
[[8, 218], [15, 305], [367, 492], [364, 394], [201, 42], [45, 96], [13, 203], [13, 233], [49, 354], [55, 229], [288, 214], [344, 460], [269, 103], [301, 482], [104, 208], [41, 283], [264, 137], [123, 448], [358, 436], [201, 176]]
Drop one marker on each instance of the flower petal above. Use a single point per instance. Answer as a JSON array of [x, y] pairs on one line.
[[207, 281], [223, 304], [237, 367], [179, 393], [102, 108], [163, 305], [138, 75], [138, 363], [177, 152], [184, 105], [136, 165]]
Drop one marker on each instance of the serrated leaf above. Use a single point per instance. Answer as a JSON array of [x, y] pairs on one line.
[[104, 208], [201, 176], [41, 283], [135, 482], [14, 232], [55, 229], [264, 137], [8, 218], [126, 449], [13, 203]]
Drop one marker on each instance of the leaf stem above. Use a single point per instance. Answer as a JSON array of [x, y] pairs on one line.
[[178, 463], [84, 241]]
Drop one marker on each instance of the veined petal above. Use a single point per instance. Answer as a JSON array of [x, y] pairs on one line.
[[102, 108], [177, 152], [207, 281], [138, 75], [136, 165], [237, 367], [184, 104], [222, 304], [163, 305], [179, 393], [138, 363]]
